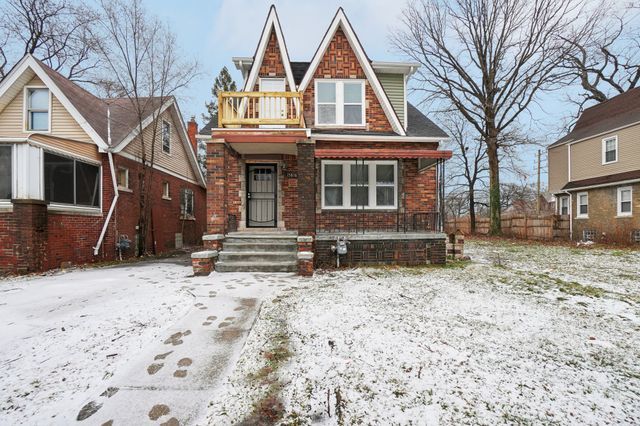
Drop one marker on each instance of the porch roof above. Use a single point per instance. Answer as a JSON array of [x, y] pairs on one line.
[[383, 153]]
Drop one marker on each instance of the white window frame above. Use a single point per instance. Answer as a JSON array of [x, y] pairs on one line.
[[578, 214], [346, 184], [339, 103], [564, 199], [126, 179], [6, 202], [604, 150], [166, 190], [25, 110], [619, 201], [64, 207], [162, 136]]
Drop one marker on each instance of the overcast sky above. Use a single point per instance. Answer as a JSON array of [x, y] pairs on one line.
[[213, 31]]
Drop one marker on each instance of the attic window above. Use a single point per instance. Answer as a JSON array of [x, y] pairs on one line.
[[339, 102], [37, 102], [166, 137]]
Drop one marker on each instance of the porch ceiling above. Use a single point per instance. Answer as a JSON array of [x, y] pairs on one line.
[[383, 153], [264, 148]]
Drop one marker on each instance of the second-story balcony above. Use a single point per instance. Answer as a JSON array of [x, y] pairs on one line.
[[260, 109]]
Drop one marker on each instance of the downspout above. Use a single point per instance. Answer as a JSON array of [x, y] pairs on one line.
[[570, 214], [96, 249]]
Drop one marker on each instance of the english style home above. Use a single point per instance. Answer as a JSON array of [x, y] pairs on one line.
[[309, 152], [69, 170], [594, 171]]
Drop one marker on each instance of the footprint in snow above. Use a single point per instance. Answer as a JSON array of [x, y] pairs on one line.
[[182, 372]]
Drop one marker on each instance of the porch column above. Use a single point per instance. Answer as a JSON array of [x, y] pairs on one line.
[[306, 206], [217, 154]]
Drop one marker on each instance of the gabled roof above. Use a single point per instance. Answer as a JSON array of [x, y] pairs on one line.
[[340, 21], [271, 24], [603, 180], [420, 125], [619, 111]]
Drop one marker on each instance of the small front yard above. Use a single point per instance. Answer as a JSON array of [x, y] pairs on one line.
[[523, 334]]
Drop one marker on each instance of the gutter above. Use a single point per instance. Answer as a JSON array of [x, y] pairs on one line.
[[96, 249]]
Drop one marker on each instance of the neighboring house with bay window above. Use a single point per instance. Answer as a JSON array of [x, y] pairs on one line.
[[312, 151], [594, 171], [70, 164]]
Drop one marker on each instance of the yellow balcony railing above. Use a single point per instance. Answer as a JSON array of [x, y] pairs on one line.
[[237, 109]]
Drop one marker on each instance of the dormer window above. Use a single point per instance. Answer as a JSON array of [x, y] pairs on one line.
[[610, 150], [37, 109], [339, 102]]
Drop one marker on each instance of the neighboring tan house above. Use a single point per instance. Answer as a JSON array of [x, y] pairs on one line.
[[69, 174], [594, 171], [312, 151]]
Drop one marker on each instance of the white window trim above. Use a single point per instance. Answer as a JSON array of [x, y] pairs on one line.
[[5, 202], [346, 184], [619, 201], [604, 150], [25, 111], [162, 137], [339, 103], [167, 195], [578, 215], [126, 187], [564, 198]]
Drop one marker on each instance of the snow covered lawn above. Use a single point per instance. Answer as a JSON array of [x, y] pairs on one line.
[[523, 334], [64, 334]]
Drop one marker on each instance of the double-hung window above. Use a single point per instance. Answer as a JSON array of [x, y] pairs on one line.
[[69, 181], [5, 172], [610, 150], [563, 205], [166, 137], [122, 177], [583, 205], [186, 203], [358, 184], [37, 109], [339, 102], [624, 201]]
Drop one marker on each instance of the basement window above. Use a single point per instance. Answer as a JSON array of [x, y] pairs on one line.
[[5, 172], [69, 181]]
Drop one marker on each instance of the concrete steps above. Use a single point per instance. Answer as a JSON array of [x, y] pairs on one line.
[[259, 252]]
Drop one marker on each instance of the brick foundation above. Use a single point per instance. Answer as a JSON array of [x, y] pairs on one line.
[[204, 262]]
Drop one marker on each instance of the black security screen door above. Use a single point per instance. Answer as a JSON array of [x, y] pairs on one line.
[[261, 195]]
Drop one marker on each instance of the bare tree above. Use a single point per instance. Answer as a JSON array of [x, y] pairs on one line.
[[469, 166], [56, 31], [607, 62], [144, 66], [490, 59]]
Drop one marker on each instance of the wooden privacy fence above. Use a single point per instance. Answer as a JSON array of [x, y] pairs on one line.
[[529, 227]]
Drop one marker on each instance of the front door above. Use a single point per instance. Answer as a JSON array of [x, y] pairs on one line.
[[272, 107], [261, 195]]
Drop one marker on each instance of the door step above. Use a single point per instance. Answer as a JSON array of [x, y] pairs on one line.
[[233, 266], [259, 251]]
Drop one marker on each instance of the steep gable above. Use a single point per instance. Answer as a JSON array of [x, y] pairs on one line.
[[272, 64]]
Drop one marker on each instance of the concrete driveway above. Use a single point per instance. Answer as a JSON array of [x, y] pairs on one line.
[[137, 344]]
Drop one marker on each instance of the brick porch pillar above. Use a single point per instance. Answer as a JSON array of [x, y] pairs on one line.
[[217, 154], [306, 206], [31, 221]]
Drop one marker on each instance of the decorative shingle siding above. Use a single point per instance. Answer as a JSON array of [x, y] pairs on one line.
[[340, 61], [393, 85]]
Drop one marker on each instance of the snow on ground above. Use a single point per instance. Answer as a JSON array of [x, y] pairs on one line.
[[64, 334], [523, 334]]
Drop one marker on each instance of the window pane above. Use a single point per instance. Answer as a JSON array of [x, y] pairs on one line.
[[353, 93], [87, 184], [5, 172], [625, 207], [58, 179], [166, 136], [39, 99], [353, 114], [583, 209], [384, 174], [39, 121], [333, 196], [625, 195], [610, 156], [359, 174], [326, 92], [359, 196], [333, 174], [384, 196], [326, 114]]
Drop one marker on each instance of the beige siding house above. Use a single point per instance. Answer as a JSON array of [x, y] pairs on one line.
[[594, 171]]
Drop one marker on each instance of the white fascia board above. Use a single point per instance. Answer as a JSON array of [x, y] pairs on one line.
[[375, 138], [186, 142], [272, 23], [59, 94], [17, 71], [160, 168], [341, 21], [407, 68]]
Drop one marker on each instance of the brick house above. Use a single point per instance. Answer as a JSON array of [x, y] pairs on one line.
[[312, 151], [594, 171], [70, 165]]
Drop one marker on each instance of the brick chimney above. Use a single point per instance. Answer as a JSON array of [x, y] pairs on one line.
[[192, 131]]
